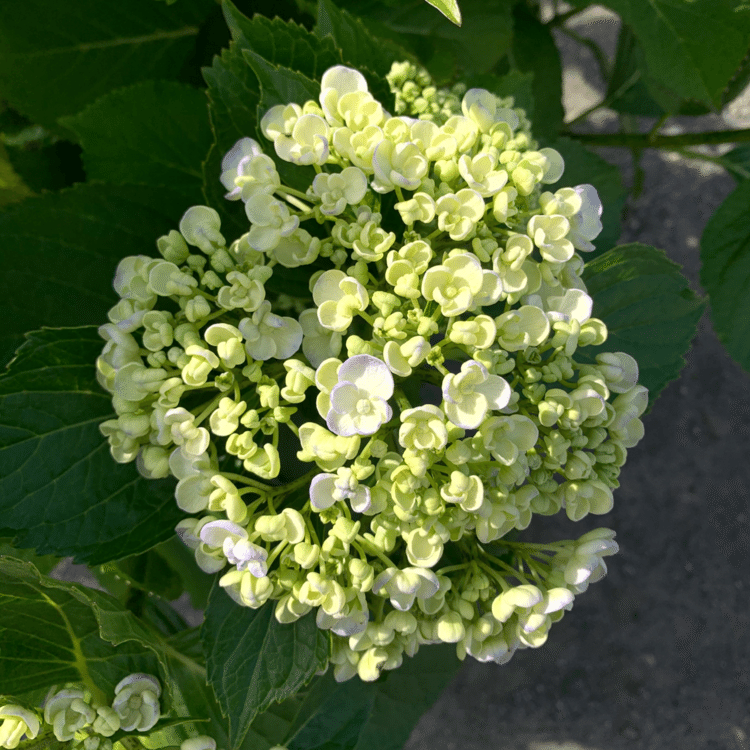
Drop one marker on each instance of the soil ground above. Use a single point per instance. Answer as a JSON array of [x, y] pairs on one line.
[[657, 655]]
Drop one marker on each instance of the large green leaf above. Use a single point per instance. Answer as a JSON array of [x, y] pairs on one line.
[[153, 133], [379, 715], [360, 48], [650, 311], [626, 90], [60, 490], [254, 661], [482, 40], [55, 631], [60, 251], [737, 161], [725, 273], [282, 42], [585, 167], [234, 92], [282, 85], [57, 57], [691, 48], [12, 187], [534, 51], [51, 634]]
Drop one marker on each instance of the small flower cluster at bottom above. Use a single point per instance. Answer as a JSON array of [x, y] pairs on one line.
[[73, 714]]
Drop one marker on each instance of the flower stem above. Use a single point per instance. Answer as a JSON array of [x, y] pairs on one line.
[[668, 142]]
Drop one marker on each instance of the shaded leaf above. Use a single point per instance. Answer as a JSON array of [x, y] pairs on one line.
[[75, 238], [379, 715], [73, 52], [737, 161], [650, 311], [12, 187], [585, 167], [725, 272], [692, 49], [534, 51], [738, 82], [153, 133], [626, 90], [445, 49], [282, 42], [50, 635], [361, 48], [60, 489], [254, 661]]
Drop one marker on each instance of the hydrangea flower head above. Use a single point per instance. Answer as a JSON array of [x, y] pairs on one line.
[[413, 325]]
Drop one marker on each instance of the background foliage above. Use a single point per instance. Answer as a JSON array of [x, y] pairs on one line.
[[114, 119]]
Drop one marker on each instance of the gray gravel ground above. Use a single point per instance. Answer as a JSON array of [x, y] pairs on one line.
[[657, 655]]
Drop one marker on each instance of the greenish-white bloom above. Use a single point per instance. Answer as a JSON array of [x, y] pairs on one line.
[[359, 400], [137, 702], [68, 711], [471, 393], [17, 722], [459, 411]]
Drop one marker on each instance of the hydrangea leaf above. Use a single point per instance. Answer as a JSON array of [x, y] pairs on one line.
[[59, 487], [738, 82], [675, 37], [449, 8], [80, 634], [360, 48], [50, 635], [379, 715], [583, 166], [725, 273], [650, 311], [234, 91], [282, 85], [43, 563], [76, 238], [534, 51], [737, 162], [153, 133], [482, 40], [254, 661], [12, 187], [71, 53], [282, 42], [626, 88]]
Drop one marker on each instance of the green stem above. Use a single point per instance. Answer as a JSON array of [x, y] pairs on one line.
[[616, 94], [668, 142], [737, 169], [593, 47], [561, 18]]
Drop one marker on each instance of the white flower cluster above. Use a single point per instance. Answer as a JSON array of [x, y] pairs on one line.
[[428, 380], [72, 714]]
